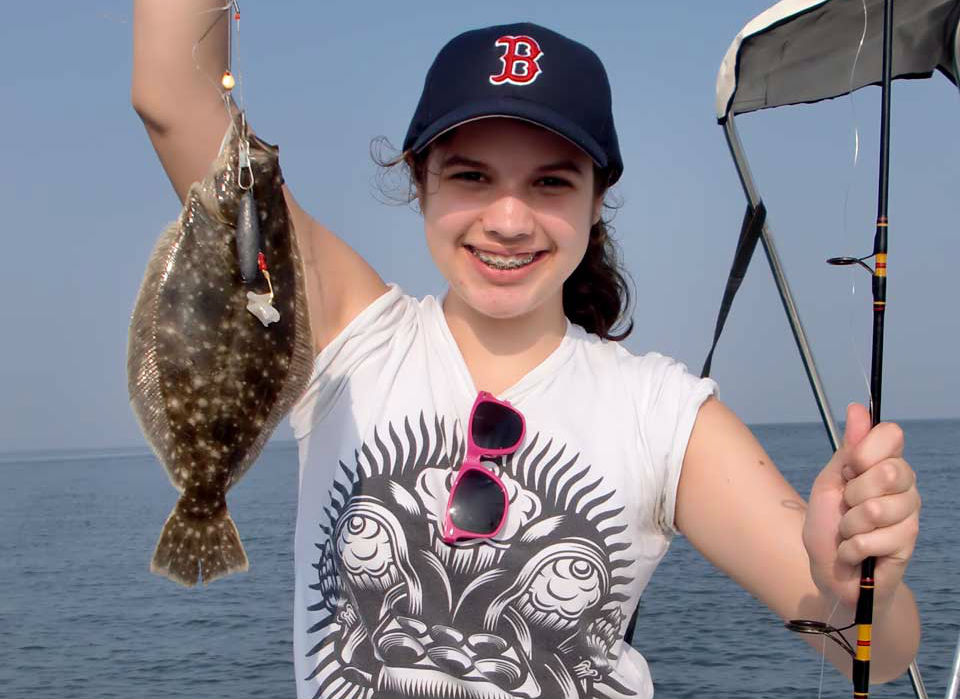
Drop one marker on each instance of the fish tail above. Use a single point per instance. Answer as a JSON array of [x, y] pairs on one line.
[[192, 546]]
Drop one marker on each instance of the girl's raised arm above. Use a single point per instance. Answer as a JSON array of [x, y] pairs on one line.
[[174, 92]]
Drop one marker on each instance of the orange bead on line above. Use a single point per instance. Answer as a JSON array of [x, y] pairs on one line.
[[227, 80]]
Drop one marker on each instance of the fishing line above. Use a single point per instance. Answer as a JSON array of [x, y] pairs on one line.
[[823, 650], [221, 13], [851, 178], [807, 626], [825, 629], [231, 82], [234, 42]]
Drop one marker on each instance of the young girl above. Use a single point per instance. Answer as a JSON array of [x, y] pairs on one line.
[[488, 480]]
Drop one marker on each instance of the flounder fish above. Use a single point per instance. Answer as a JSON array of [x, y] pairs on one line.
[[211, 367]]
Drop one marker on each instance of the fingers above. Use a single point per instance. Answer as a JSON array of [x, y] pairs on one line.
[[889, 477], [882, 442], [881, 494], [878, 513], [894, 542]]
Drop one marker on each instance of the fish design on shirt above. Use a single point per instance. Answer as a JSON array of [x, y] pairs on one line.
[[211, 369]]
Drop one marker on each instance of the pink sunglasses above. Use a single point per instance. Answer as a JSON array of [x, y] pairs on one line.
[[477, 506]]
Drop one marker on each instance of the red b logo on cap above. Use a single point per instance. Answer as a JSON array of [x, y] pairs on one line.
[[518, 68]]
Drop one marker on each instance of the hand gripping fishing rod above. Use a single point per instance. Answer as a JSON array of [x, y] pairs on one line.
[[863, 617]]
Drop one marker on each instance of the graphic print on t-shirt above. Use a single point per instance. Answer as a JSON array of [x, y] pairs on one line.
[[535, 613]]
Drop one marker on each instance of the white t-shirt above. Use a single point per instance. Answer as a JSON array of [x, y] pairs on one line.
[[385, 609]]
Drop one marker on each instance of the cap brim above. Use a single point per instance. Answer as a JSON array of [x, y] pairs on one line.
[[512, 108]]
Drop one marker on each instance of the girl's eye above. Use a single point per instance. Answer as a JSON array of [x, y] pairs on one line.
[[553, 182], [469, 176]]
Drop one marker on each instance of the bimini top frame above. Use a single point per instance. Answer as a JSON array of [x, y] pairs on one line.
[[802, 51]]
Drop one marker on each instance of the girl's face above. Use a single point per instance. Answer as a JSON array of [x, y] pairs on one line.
[[507, 210]]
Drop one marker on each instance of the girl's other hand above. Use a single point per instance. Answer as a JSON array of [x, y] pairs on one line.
[[864, 503]]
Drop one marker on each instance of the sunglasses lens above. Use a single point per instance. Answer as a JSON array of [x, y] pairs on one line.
[[496, 426], [478, 503]]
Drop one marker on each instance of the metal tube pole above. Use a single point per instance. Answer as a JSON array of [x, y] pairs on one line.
[[789, 305], [954, 684], [954, 674]]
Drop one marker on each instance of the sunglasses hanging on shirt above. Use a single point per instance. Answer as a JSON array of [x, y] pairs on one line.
[[478, 502]]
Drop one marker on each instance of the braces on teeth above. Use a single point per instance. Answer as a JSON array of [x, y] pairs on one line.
[[504, 262]]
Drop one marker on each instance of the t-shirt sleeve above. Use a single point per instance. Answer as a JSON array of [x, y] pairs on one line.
[[365, 339], [670, 399]]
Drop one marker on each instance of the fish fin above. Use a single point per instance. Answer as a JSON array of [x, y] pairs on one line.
[[190, 547]]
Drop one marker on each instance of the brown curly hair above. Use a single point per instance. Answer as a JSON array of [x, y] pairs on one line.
[[596, 296]]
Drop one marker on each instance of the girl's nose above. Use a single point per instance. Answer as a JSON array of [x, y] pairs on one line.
[[509, 217]]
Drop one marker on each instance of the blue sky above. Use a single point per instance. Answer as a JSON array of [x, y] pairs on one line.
[[85, 198]]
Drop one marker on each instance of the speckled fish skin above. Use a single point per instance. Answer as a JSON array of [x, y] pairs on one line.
[[208, 381]]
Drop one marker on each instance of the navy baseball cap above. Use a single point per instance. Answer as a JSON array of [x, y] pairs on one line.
[[523, 71]]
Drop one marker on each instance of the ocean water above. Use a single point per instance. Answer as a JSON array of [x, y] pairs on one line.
[[81, 616]]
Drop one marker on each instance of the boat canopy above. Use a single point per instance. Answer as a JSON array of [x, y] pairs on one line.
[[805, 50]]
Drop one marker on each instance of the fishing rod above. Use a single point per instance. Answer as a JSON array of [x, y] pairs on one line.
[[863, 618]]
